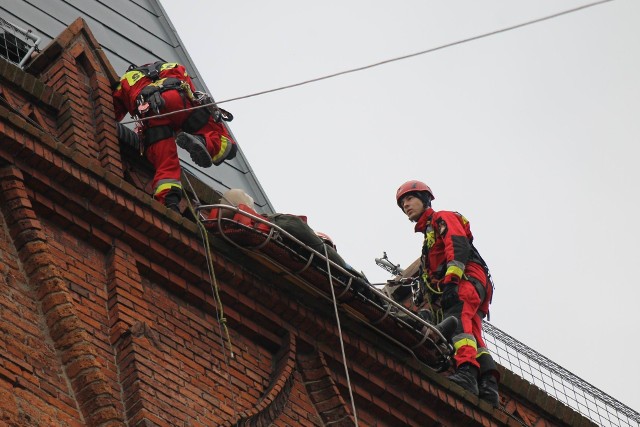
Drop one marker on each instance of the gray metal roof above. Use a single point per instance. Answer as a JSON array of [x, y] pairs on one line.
[[138, 32]]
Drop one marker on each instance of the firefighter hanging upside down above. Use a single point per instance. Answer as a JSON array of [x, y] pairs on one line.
[[165, 87], [452, 267]]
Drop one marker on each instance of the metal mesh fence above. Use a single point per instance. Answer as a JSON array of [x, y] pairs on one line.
[[16, 44], [559, 383]]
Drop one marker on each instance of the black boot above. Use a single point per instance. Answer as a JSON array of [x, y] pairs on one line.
[[448, 327], [415, 324], [466, 376], [196, 147], [172, 199], [174, 208], [488, 389]]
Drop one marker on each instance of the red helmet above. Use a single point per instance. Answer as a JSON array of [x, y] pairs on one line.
[[412, 187], [325, 238]]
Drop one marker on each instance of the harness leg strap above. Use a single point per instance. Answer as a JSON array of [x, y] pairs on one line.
[[156, 133], [196, 120]]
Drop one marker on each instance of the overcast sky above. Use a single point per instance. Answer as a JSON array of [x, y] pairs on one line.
[[531, 134]]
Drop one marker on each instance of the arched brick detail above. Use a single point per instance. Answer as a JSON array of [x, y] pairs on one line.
[[323, 391], [277, 394]]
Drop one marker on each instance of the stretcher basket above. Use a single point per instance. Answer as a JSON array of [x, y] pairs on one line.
[[254, 234]]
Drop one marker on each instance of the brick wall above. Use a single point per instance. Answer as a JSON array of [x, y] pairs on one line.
[[33, 391], [107, 310]]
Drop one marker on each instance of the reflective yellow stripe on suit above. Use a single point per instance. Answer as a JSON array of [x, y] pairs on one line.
[[225, 146], [462, 340], [167, 185]]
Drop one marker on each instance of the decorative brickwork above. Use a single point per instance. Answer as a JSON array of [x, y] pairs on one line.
[[107, 315], [77, 355], [75, 67], [323, 390]]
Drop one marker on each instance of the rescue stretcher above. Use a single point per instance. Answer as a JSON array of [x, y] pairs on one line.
[[254, 234]]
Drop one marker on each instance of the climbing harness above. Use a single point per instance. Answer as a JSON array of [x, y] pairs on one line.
[[150, 101], [205, 100]]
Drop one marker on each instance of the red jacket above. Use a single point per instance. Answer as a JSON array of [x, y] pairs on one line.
[[133, 81], [447, 252]]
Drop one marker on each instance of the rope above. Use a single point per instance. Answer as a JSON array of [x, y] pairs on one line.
[[344, 356], [222, 321], [193, 191], [438, 315], [214, 283], [387, 61], [512, 416]]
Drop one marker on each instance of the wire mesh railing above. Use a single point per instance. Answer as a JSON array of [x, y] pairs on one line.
[[16, 44], [556, 381]]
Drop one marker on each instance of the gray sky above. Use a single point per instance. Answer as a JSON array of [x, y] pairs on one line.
[[531, 134]]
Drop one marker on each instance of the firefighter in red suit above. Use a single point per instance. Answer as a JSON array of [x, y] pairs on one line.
[[165, 87], [451, 264]]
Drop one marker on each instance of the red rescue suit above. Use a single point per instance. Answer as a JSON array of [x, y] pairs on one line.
[[450, 261], [159, 133]]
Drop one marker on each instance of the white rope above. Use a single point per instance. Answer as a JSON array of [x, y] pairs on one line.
[[344, 356], [399, 58]]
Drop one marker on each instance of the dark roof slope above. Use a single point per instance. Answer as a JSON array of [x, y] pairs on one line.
[[132, 31]]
